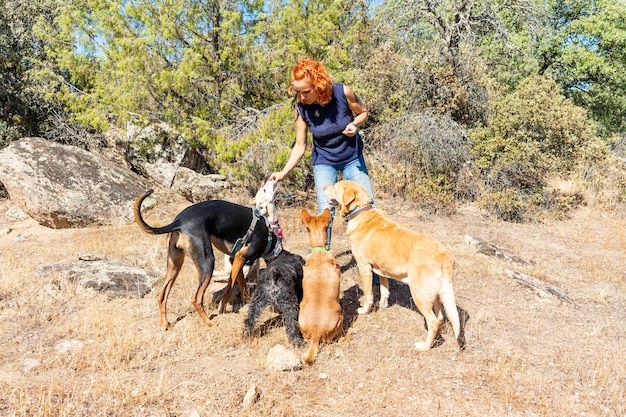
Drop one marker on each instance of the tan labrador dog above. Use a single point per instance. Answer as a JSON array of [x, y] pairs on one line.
[[382, 246], [320, 316]]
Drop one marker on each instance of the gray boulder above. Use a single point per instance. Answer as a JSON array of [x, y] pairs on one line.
[[64, 186], [114, 278], [196, 187]]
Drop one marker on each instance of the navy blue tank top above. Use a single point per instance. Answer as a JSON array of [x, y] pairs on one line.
[[326, 123]]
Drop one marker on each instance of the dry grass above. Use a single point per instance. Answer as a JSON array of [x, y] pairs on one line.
[[525, 356]]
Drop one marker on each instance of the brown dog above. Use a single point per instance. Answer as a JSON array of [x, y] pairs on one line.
[[320, 316], [382, 246]]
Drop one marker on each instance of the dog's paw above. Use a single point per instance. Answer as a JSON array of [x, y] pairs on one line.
[[363, 310], [297, 342], [422, 346], [383, 303], [248, 328]]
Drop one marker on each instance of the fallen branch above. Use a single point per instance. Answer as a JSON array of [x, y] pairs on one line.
[[492, 249], [540, 287]]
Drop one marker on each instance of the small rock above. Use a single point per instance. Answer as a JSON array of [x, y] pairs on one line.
[[64, 346], [29, 364], [51, 290], [15, 213], [251, 397], [115, 278], [8, 303], [281, 359], [90, 257]]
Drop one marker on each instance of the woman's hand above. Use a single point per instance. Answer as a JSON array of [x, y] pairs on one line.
[[350, 130], [277, 177]]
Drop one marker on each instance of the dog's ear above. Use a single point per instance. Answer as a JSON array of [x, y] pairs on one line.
[[305, 216], [349, 196], [271, 214], [326, 215]]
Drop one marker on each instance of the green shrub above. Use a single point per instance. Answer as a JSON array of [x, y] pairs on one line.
[[264, 147], [432, 193], [533, 133], [7, 134], [419, 157], [601, 175], [508, 205]]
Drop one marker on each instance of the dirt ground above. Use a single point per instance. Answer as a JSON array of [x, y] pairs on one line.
[[527, 353]]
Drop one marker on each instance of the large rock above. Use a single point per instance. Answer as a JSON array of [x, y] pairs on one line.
[[160, 153], [63, 186], [158, 143], [194, 186], [115, 278]]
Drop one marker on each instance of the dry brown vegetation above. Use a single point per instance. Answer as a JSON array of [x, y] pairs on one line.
[[526, 355]]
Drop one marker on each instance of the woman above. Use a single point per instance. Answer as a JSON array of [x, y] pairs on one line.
[[333, 113]]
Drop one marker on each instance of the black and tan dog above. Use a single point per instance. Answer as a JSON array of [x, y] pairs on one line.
[[240, 231], [382, 246]]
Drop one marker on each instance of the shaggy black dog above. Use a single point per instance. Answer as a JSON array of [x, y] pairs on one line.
[[279, 285]]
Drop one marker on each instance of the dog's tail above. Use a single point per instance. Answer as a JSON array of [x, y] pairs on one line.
[[314, 345], [448, 299], [145, 226]]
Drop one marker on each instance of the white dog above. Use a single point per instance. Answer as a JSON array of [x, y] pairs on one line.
[[264, 201]]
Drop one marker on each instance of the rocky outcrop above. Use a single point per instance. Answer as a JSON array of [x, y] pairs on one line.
[[162, 154], [64, 186], [158, 143], [195, 187]]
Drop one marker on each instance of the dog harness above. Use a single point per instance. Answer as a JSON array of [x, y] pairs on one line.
[[256, 214], [278, 248], [273, 228], [277, 231]]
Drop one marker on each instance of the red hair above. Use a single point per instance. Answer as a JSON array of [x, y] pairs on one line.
[[316, 74]]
